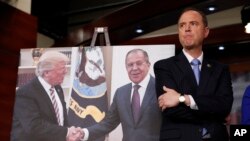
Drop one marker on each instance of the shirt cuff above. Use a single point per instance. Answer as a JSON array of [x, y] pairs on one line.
[[193, 105], [67, 133], [86, 134]]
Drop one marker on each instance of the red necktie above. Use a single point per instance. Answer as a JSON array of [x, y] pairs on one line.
[[136, 103], [55, 105]]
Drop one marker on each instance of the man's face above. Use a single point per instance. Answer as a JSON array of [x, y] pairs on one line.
[[191, 30], [137, 67], [56, 75]]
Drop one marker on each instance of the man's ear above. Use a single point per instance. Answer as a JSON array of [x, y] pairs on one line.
[[206, 32]]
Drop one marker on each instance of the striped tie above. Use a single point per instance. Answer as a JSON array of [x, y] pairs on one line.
[[55, 105]]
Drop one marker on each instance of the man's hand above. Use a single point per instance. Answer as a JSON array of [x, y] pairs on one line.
[[75, 134], [228, 119], [168, 99]]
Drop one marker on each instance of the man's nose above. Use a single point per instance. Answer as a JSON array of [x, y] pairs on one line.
[[188, 27], [134, 67]]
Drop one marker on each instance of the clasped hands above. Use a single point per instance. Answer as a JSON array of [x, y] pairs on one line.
[[170, 98], [75, 134]]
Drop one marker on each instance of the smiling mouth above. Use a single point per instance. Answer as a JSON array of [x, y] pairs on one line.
[[135, 73]]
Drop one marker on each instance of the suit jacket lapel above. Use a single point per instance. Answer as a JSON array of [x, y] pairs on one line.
[[60, 93], [127, 100], [206, 71], [186, 68], [148, 97], [44, 97]]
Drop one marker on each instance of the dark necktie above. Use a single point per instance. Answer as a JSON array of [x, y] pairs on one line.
[[55, 105], [195, 63], [136, 103]]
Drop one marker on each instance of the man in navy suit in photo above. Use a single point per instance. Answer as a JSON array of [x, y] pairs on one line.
[[194, 93], [140, 124]]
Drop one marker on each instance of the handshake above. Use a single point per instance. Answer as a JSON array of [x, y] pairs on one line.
[[75, 134]]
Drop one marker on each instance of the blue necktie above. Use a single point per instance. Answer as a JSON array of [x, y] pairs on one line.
[[136, 103], [195, 63]]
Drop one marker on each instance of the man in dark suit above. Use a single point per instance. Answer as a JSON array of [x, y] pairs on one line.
[[146, 125], [40, 110], [194, 105]]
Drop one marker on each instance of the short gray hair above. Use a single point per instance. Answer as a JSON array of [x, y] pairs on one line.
[[48, 60], [138, 50]]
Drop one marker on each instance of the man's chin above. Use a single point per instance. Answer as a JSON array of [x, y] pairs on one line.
[[189, 47]]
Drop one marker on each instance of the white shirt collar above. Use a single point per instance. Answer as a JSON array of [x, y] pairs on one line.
[[190, 58], [45, 84]]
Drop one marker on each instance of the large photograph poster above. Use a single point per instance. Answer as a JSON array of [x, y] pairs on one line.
[[88, 102]]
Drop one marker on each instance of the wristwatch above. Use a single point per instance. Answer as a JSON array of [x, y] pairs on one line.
[[182, 98]]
